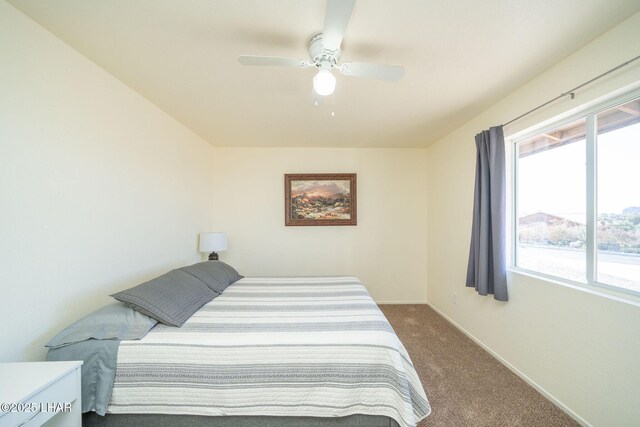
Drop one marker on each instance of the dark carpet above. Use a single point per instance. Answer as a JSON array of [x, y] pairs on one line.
[[466, 386]]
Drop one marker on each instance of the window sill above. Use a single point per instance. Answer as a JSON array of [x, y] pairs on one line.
[[627, 298]]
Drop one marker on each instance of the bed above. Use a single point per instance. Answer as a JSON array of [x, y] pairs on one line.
[[313, 351]]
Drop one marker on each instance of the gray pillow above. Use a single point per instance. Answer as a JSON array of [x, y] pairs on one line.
[[170, 299], [215, 274], [115, 321], [230, 271]]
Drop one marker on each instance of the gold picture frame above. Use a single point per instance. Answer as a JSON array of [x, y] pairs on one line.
[[320, 199]]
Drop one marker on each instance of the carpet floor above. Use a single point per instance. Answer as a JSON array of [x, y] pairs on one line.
[[465, 385]]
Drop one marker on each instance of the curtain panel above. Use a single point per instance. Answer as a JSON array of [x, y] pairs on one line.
[[486, 270]]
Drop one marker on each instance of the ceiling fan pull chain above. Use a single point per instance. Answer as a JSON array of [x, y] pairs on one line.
[[333, 113]]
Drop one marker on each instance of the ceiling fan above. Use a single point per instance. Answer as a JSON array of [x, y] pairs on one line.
[[324, 51]]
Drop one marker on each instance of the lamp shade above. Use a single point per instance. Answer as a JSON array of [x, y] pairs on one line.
[[211, 242]]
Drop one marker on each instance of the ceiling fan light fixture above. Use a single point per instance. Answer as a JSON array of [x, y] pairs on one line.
[[325, 52], [324, 83]]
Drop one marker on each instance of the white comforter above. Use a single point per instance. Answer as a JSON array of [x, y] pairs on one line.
[[316, 346]]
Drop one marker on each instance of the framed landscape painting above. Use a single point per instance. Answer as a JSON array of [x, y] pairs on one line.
[[320, 199]]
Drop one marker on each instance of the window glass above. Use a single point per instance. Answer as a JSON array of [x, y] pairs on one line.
[[618, 196], [551, 202]]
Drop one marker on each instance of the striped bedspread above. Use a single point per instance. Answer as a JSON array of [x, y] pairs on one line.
[[314, 346]]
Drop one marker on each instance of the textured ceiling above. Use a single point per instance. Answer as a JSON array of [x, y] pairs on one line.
[[459, 56]]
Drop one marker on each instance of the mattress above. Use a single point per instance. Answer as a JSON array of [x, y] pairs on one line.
[[308, 347]]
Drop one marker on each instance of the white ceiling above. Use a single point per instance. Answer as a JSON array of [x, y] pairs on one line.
[[460, 56]]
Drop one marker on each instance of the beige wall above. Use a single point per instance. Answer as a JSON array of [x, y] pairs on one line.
[[386, 250], [99, 189], [582, 349]]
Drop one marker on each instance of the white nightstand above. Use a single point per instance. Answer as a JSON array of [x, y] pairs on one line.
[[39, 392]]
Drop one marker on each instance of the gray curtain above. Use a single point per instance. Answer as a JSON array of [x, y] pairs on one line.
[[486, 270]]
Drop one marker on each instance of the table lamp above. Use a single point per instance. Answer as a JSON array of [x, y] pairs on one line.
[[212, 242]]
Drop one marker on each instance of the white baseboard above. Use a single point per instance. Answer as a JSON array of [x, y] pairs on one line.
[[516, 371]]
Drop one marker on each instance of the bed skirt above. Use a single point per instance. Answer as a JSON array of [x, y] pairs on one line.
[[91, 419]]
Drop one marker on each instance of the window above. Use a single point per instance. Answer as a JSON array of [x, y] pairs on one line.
[[577, 199]]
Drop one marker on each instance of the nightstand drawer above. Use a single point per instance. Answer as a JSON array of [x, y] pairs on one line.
[[48, 402], [52, 399], [42, 390], [15, 418]]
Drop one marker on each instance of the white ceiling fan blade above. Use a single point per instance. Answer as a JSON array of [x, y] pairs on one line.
[[389, 73], [335, 22], [277, 61]]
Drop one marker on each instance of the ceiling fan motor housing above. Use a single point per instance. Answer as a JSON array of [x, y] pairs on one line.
[[320, 55]]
